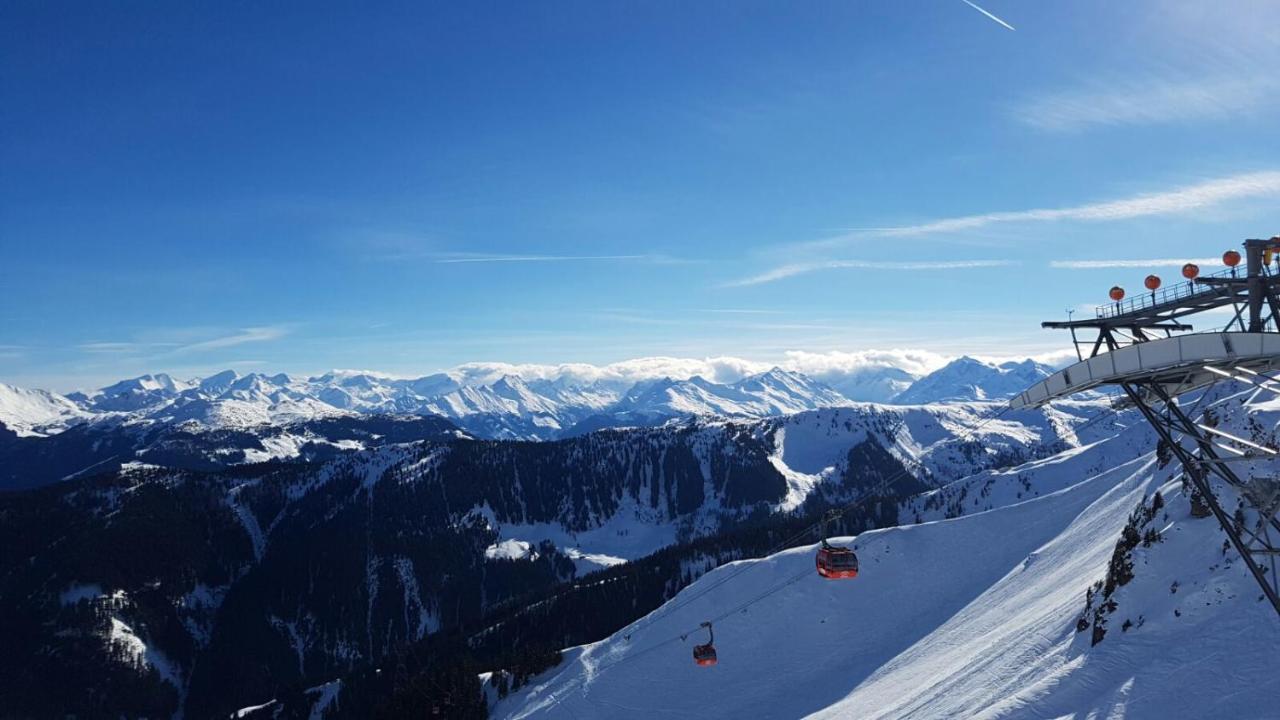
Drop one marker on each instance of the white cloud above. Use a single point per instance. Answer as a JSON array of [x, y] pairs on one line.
[[1178, 200], [827, 364], [163, 343], [627, 372], [834, 366], [1147, 101], [1153, 263], [793, 269], [113, 347]]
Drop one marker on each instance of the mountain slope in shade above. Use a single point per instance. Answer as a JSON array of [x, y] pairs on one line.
[[968, 379], [37, 412], [831, 454], [971, 617]]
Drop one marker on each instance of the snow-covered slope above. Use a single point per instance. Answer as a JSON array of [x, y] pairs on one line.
[[968, 379], [37, 412], [972, 617], [982, 615]]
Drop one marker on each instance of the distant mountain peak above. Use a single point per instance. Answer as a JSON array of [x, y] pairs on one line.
[[219, 382], [966, 378]]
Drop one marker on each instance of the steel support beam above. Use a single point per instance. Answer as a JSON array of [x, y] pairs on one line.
[[1194, 468]]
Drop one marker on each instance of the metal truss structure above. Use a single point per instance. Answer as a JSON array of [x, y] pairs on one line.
[[1135, 349]]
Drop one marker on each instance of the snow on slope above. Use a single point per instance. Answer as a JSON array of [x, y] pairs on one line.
[[969, 617], [37, 412]]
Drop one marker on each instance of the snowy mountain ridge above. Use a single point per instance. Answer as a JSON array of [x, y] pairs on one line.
[[967, 378], [507, 407]]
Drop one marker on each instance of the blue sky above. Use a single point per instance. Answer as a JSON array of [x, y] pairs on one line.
[[409, 187]]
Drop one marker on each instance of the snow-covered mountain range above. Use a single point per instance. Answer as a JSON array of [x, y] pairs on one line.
[[987, 582], [508, 407]]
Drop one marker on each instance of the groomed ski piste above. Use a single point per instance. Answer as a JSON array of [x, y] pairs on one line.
[[973, 617]]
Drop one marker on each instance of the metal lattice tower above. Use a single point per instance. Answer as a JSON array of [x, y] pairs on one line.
[[1143, 346]]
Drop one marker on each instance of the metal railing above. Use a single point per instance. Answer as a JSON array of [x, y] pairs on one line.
[[1173, 293]]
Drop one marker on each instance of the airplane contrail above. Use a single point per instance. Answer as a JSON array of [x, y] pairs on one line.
[[993, 17]]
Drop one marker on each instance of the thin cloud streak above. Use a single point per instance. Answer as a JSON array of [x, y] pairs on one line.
[[1147, 101], [1154, 263], [539, 258], [984, 12], [1178, 200], [240, 337], [793, 269], [114, 347], [246, 335]]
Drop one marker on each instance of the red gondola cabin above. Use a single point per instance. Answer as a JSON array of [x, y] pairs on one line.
[[704, 655], [837, 563]]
